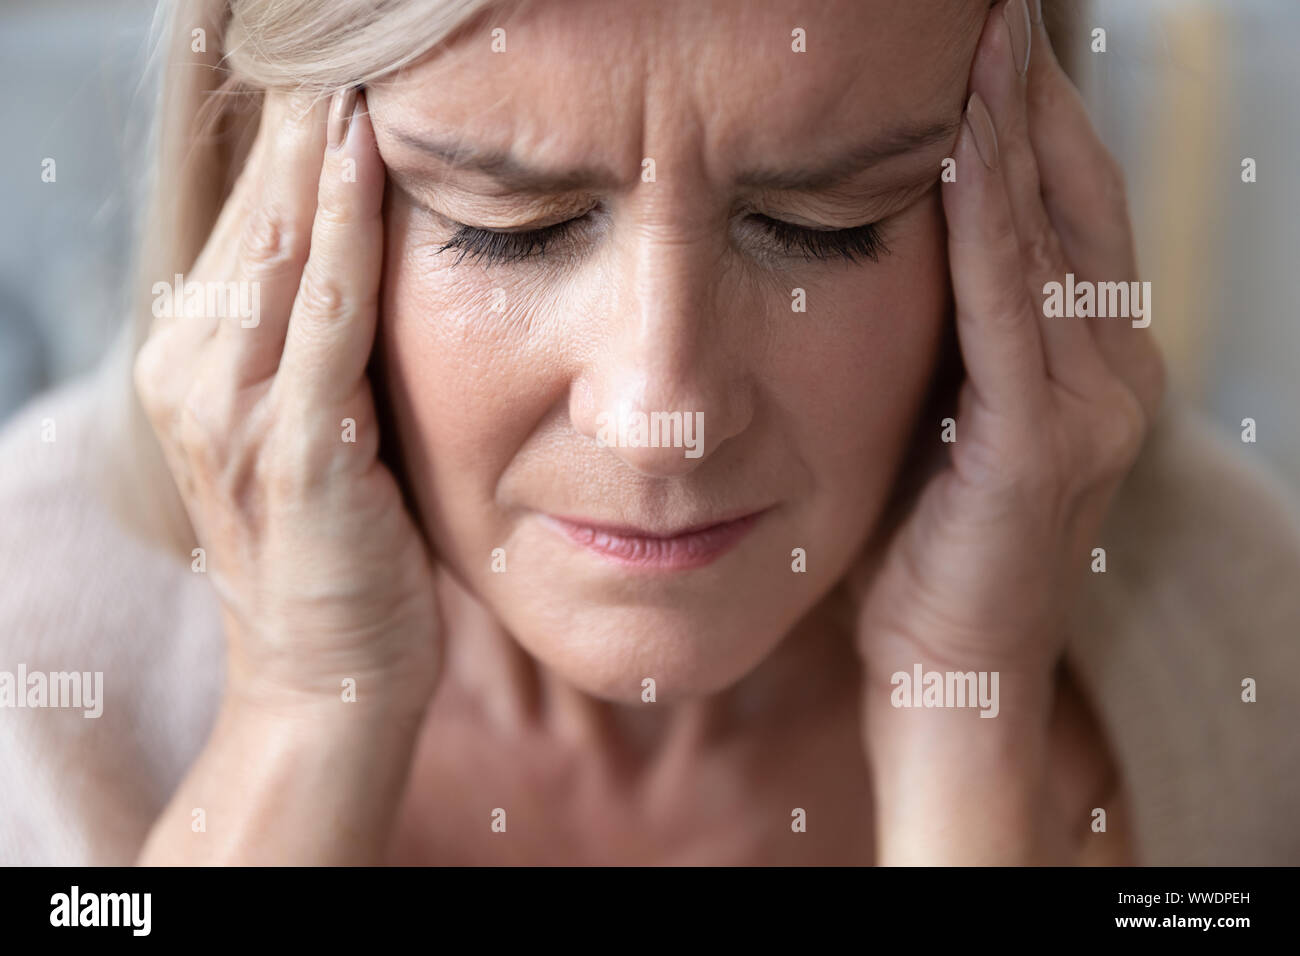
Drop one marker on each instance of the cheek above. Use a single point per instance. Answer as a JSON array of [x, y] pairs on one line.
[[479, 362], [464, 381], [856, 368]]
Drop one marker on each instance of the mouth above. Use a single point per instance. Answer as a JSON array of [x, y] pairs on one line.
[[674, 550]]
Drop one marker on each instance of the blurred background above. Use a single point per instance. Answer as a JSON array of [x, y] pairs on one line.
[[1185, 91]]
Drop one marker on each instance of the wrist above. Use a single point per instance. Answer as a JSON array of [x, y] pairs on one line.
[[288, 781], [908, 676], [970, 795], [305, 680], [958, 784], [342, 704]]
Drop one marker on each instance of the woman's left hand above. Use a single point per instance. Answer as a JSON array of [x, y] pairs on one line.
[[1051, 418]]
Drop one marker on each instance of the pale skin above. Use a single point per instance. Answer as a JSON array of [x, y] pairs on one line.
[[521, 690]]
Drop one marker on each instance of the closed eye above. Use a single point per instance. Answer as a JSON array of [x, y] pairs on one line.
[[848, 244], [493, 246]]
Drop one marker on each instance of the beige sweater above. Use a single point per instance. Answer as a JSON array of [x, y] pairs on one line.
[[1202, 590]]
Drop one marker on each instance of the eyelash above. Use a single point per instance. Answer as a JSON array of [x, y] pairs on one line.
[[848, 244], [492, 247]]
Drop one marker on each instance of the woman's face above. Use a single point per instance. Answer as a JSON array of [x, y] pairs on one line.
[[674, 139]]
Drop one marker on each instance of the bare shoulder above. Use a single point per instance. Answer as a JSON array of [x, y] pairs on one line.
[[109, 649]]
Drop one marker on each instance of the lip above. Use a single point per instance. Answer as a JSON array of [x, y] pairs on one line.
[[691, 547]]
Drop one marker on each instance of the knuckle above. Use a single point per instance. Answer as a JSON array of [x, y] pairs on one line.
[[332, 213], [1000, 232], [280, 470], [268, 239], [319, 297], [1042, 253], [1009, 307], [156, 376], [1001, 295], [146, 374], [1120, 432], [1009, 479]]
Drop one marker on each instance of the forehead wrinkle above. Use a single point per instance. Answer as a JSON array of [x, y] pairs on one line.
[[531, 97], [788, 121], [632, 84], [505, 166]]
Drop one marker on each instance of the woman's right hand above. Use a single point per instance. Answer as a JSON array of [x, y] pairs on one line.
[[321, 572]]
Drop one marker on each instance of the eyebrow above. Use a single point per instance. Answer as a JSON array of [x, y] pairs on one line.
[[512, 172], [838, 168], [506, 168]]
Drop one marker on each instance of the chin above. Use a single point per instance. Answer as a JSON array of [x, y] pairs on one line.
[[604, 627], [688, 652]]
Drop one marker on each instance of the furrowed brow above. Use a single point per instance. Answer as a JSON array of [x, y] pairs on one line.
[[513, 173], [837, 169], [506, 168]]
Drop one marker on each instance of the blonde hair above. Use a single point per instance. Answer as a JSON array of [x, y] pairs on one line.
[[216, 58]]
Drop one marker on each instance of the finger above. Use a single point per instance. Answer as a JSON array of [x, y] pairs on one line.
[[259, 284], [1081, 184], [276, 236], [1084, 195], [996, 325], [1001, 62], [332, 327], [177, 339]]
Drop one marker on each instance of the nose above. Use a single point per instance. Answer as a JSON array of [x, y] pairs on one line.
[[666, 385]]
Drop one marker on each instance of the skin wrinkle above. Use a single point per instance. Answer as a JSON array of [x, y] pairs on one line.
[[838, 198], [666, 303]]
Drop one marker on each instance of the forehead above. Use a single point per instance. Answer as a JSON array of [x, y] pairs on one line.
[[580, 79]]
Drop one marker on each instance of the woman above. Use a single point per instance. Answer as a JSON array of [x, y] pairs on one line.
[[646, 441]]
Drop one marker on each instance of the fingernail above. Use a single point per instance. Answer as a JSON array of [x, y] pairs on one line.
[[1036, 11], [981, 127], [1016, 14], [341, 107]]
